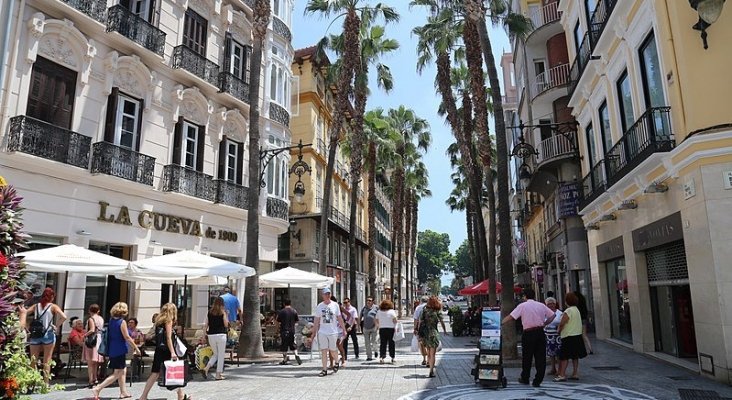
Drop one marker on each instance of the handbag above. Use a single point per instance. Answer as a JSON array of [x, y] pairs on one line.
[[91, 341], [105, 343], [174, 374], [180, 348]]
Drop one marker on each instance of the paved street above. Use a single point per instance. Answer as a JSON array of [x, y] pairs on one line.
[[611, 373]]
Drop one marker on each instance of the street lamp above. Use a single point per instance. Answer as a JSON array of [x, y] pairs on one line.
[[298, 168], [524, 151], [709, 11]]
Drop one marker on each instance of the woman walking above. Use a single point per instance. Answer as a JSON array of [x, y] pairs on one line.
[[553, 342], [431, 315], [43, 330], [91, 355], [117, 339], [164, 349], [570, 331], [217, 325], [386, 320]]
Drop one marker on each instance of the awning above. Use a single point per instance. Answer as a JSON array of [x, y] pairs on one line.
[[72, 258]]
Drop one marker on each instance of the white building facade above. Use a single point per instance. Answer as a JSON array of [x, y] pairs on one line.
[[124, 127]]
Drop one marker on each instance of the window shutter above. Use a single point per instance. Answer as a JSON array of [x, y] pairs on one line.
[[247, 78], [151, 13], [139, 125], [227, 53], [222, 158], [110, 123], [240, 165], [177, 141], [200, 144]]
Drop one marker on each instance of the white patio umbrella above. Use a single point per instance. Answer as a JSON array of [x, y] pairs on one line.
[[293, 277], [72, 258]]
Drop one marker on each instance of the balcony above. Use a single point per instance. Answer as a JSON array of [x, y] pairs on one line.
[[593, 185], [339, 218], [599, 19], [551, 78], [187, 59], [280, 28], [322, 148], [545, 15], [277, 208], [231, 194], [228, 83], [555, 147], [39, 138], [93, 8], [110, 159], [278, 113], [129, 25], [651, 133], [183, 180], [361, 235], [584, 55]]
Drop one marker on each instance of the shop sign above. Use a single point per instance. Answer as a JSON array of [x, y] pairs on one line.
[[163, 222], [611, 250], [568, 199], [663, 231]]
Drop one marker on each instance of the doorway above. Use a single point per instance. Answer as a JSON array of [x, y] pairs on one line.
[[673, 320], [106, 290]]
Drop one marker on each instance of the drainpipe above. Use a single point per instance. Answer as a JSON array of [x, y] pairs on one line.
[[6, 17], [6, 80]]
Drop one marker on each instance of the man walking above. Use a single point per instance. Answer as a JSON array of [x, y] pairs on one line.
[[417, 316], [287, 319], [368, 326], [351, 319], [327, 320], [534, 317], [232, 307]]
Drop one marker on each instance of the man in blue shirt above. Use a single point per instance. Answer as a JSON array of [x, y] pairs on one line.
[[232, 306]]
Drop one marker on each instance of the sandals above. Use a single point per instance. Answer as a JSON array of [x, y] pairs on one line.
[[560, 379], [323, 372], [299, 361], [573, 378], [432, 374], [336, 367]]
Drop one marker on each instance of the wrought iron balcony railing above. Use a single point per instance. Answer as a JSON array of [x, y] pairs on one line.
[[231, 194], [277, 113], [41, 139], [599, 18], [361, 235], [651, 133], [185, 58], [280, 28], [110, 159], [92, 8], [277, 208], [551, 78], [135, 28], [584, 54], [339, 218], [545, 15], [555, 147], [593, 185], [183, 180], [228, 83]]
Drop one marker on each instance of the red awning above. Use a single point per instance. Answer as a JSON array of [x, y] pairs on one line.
[[478, 288]]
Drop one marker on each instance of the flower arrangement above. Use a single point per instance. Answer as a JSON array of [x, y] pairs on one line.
[[16, 375]]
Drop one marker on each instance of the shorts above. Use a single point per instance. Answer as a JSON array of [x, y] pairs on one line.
[[118, 362], [287, 340], [327, 341], [48, 338]]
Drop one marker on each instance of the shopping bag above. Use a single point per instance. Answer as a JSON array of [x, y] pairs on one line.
[[203, 355], [399, 333], [439, 346], [180, 347], [232, 335], [173, 374], [415, 344]]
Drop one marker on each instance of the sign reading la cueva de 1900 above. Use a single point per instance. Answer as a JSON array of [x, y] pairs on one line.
[[163, 222]]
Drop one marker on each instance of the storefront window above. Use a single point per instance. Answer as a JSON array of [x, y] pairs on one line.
[[96, 286], [619, 300]]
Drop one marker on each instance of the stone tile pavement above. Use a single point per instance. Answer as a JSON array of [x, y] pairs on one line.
[[638, 377]]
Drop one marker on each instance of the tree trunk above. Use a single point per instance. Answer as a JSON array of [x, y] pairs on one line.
[[393, 264], [250, 340], [371, 162], [407, 248], [415, 216], [357, 139], [491, 264], [398, 214], [504, 216]]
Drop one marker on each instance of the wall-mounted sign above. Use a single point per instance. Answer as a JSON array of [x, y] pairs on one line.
[[569, 196], [163, 222], [663, 231], [611, 250]]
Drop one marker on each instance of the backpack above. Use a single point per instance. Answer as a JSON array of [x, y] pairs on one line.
[[37, 329], [104, 346]]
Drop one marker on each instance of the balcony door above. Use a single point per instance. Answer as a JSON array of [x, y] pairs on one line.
[[231, 161], [188, 145], [124, 120], [52, 93], [144, 9], [653, 86], [239, 60], [194, 32]]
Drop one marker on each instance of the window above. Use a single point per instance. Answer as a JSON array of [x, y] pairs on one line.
[[194, 32], [188, 145], [280, 8], [231, 161], [124, 120], [51, 94], [625, 101], [236, 58], [539, 68], [545, 129], [651, 72], [280, 85], [591, 149], [607, 140], [577, 38], [590, 6], [144, 9]]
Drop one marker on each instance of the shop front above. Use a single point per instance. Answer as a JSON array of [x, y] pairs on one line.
[[612, 255]]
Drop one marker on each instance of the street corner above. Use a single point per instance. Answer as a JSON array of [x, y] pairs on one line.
[[549, 391]]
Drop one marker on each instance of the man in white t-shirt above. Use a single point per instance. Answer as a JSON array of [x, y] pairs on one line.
[[327, 320], [417, 316]]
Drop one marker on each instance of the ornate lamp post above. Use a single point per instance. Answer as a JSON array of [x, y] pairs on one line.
[[298, 168], [709, 11]]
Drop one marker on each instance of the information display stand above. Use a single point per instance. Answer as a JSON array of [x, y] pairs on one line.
[[488, 364]]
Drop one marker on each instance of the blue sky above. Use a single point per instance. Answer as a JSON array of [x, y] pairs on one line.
[[414, 91]]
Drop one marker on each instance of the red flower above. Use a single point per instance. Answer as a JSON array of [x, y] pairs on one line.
[[3, 260]]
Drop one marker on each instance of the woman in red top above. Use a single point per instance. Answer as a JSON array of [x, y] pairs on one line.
[[76, 337]]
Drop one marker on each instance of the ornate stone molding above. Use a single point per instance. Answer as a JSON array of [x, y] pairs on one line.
[[235, 126], [130, 75], [60, 41], [236, 23], [191, 104]]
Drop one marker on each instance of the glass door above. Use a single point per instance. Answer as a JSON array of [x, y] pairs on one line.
[[673, 320], [619, 301]]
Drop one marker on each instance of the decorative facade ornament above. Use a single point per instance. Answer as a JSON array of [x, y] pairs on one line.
[[237, 24], [59, 50], [60, 41], [129, 74], [192, 105]]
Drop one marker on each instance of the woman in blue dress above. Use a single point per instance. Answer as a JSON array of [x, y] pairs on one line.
[[117, 339]]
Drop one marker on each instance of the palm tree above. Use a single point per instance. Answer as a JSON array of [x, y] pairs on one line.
[[418, 182], [413, 134], [250, 340]]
